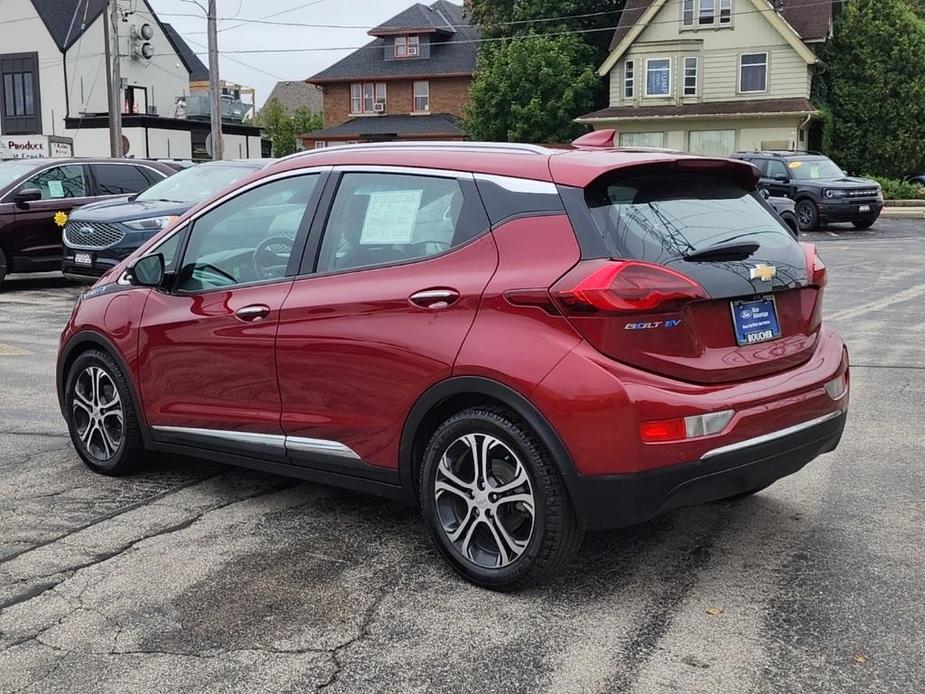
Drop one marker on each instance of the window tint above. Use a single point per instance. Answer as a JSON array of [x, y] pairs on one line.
[[119, 179], [662, 217], [776, 168], [389, 218], [60, 182], [247, 239]]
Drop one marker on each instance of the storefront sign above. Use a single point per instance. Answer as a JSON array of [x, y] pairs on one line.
[[35, 146]]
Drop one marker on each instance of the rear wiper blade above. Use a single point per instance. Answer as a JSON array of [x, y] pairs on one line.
[[735, 250]]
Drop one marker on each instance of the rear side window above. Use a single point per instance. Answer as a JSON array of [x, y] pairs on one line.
[[119, 179], [663, 217], [382, 218]]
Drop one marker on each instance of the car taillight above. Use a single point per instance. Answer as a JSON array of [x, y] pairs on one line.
[[816, 272], [624, 286], [681, 428]]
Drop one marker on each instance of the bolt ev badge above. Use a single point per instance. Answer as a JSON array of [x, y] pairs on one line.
[[762, 272]]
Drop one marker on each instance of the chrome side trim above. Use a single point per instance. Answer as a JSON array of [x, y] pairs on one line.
[[514, 184], [277, 442], [780, 433], [306, 445]]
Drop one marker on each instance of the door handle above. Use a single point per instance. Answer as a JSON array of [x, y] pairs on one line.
[[434, 298], [252, 313]]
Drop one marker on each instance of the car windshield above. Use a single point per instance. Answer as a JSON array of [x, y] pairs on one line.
[[11, 170], [818, 168], [197, 183], [662, 218]]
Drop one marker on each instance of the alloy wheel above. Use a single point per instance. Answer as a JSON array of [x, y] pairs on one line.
[[806, 215], [484, 500], [97, 412]]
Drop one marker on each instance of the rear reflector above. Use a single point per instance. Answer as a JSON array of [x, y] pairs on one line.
[[836, 387], [683, 428], [624, 286]]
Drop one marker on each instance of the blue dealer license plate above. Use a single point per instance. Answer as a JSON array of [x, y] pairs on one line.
[[755, 321]]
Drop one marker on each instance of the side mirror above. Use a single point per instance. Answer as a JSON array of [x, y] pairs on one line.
[[764, 193], [27, 195], [148, 271]]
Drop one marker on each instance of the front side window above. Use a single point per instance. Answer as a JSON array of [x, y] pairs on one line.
[[249, 238], [119, 179], [60, 182], [690, 76], [658, 77], [753, 72], [421, 96], [380, 218], [628, 80], [776, 169]]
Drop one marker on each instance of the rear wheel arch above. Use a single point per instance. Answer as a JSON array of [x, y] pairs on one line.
[[453, 395]]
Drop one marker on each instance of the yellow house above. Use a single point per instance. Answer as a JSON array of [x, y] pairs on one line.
[[714, 76]]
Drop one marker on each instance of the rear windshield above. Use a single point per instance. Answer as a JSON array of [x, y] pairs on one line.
[[664, 217]]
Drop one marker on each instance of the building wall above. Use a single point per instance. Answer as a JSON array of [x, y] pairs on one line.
[[32, 36], [447, 95], [718, 51], [750, 133]]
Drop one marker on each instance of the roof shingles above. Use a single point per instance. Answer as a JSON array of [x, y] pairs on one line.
[[433, 125], [710, 108]]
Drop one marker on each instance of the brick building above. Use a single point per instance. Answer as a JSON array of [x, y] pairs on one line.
[[411, 82]]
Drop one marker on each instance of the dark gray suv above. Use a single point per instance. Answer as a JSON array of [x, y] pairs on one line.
[[821, 190]]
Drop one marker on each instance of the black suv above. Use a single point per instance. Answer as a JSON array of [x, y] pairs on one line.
[[822, 191]]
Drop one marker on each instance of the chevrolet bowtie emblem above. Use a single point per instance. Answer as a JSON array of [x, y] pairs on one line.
[[762, 272]]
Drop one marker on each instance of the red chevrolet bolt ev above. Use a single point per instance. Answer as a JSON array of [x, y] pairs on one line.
[[528, 343]]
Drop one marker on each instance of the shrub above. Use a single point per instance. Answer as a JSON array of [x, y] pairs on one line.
[[896, 189]]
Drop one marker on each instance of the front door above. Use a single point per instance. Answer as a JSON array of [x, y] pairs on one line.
[[36, 241], [777, 179], [207, 366], [400, 272]]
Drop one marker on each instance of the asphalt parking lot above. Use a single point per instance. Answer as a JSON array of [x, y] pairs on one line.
[[200, 578]]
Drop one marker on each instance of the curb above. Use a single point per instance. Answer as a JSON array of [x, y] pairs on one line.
[[904, 212]]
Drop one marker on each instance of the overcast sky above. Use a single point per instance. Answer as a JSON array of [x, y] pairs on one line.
[[262, 71]]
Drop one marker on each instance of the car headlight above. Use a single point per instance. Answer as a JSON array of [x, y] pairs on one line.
[[151, 223], [835, 193]]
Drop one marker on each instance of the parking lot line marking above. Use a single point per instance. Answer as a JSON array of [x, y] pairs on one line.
[[12, 351], [898, 298]]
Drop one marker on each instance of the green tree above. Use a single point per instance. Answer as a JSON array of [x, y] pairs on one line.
[[282, 127], [531, 89], [875, 83]]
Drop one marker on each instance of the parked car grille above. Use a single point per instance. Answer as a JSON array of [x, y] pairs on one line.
[[92, 235], [865, 193]]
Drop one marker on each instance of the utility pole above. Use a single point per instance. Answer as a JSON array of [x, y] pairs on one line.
[[115, 82], [218, 151]]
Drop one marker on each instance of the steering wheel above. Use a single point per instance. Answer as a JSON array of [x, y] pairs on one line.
[[271, 253]]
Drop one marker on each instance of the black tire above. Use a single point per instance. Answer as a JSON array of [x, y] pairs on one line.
[[3, 266], [554, 535], [791, 220], [864, 223], [807, 215], [129, 452]]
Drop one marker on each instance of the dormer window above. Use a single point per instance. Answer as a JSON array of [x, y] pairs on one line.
[[706, 13], [407, 46]]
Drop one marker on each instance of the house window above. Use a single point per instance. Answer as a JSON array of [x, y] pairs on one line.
[[753, 72], [320, 144], [712, 143], [19, 94], [690, 76], [658, 77], [421, 96], [704, 13], [653, 139], [687, 13], [407, 46], [366, 95], [628, 81]]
